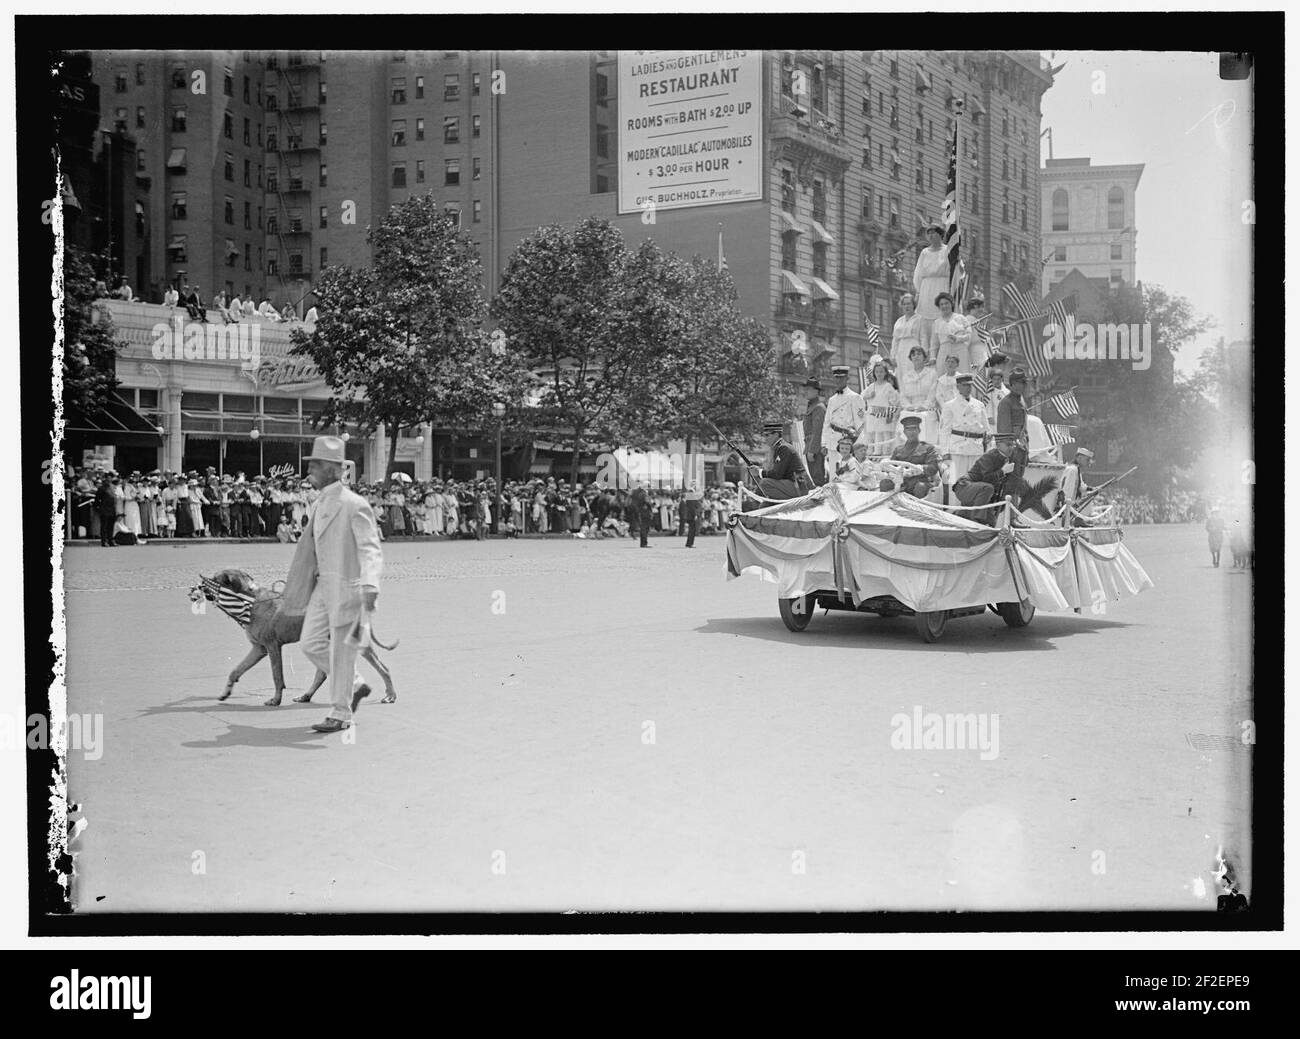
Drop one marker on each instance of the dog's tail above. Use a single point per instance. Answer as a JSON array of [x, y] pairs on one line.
[[375, 639]]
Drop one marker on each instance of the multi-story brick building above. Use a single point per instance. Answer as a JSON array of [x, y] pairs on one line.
[[1089, 221], [279, 167]]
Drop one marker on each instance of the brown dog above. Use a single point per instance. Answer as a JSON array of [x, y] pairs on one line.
[[259, 612]]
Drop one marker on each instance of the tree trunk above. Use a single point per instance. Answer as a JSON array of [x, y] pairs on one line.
[[577, 455]]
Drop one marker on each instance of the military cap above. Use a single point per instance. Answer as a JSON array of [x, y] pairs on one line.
[[839, 369], [911, 420], [965, 377], [1017, 373]]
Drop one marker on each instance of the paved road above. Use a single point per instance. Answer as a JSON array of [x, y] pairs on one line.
[[590, 725]]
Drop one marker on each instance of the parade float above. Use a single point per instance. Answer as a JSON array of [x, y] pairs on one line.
[[889, 553]]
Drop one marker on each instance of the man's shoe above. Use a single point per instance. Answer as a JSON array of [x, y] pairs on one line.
[[359, 694], [331, 725]]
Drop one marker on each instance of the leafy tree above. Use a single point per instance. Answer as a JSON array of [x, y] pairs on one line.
[[90, 342], [710, 363], [564, 306], [1156, 415], [401, 342]]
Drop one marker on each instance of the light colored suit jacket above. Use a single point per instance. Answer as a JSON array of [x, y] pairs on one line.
[[338, 556]]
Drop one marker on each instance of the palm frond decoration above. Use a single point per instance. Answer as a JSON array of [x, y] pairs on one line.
[[1035, 497]]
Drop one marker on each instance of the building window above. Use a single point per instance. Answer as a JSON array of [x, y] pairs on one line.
[[419, 129], [273, 264], [324, 216], [259, 218], [399, 174], [475, 83], [248, 257], [478, 211], [478, 168], [228, 82], [248, 133], [324, 257], [119, 81], [248, 216], [789, 254], [451, 87], [451, 173], [399, 90], [475, 123], [273, 222], [1116, 276], [227, 127], [419, 87], [139, 117], [178, 205], [453, 211], [324, 137], [1059, 254], [321, 93], [1115, 209], [177, 249], [819, 202], [139, 75], [248, 173], [419, 171], [272, 180], [230, 210], [178, 77], [259, 174], [819, 260], [1060, 210], [179, 120], [295, 263], [272, 101], [230, 167], [450, 129], [399, 133], [1116, 251]]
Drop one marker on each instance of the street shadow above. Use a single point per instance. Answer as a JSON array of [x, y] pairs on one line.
[[207, 704], [984, 633], [297, 738]]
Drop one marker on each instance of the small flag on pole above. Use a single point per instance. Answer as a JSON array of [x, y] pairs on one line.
[[980, 383], [873, 336], [1036, 360], [1025, 307], [1059, 434], [722, 257], [1066, 404]]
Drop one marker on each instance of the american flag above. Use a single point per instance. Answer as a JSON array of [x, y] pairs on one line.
[[236, 605], [1032, 347], [873, 336], [1059, 434], [1025, 308], [1066, 404], [952, 232], [1062, 310], [980, 383]]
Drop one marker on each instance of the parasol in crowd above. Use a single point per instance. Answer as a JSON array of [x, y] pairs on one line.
[[401, 477]]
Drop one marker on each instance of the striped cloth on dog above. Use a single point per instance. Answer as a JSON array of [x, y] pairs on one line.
[[236, 605]]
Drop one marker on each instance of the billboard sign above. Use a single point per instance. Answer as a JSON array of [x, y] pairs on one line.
[[690, 128]]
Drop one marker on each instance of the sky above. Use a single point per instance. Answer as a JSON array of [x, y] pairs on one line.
[[1193, 131]]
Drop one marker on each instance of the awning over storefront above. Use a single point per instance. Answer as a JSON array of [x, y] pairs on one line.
[[117, 422], [821, 235], [542, 468]]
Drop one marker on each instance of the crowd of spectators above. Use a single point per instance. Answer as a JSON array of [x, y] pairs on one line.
[[1172, 507], [188, 297], [118, 509]]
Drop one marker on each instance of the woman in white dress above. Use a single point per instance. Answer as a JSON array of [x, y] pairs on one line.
[[131, 492], [197, 500], [946, 387], [950, 336], [450, 509], [433, 511], [882, 402], [917, 388], [930, 278], [907, 331]]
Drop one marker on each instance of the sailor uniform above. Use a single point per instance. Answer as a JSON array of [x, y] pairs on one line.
[[846, 413]]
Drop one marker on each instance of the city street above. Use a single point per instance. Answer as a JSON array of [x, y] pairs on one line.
[[589, 725]]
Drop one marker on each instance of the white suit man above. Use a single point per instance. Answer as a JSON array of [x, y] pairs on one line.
[[334, 577], [846, 413], [963, 429]]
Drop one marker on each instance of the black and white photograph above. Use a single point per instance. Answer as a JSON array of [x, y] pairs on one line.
[[749, 479]]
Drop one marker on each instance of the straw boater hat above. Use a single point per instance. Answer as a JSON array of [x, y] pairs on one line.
[[1085, 453]]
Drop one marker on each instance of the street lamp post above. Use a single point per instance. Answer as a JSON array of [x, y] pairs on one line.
[[498, 412]]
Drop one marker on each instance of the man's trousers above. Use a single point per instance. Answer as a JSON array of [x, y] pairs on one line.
[[327, 648]]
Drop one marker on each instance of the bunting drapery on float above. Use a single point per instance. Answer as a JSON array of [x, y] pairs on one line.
[[861, 545]]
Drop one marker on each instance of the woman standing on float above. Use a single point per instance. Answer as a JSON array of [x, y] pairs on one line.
[[882, 402], [931, 277]]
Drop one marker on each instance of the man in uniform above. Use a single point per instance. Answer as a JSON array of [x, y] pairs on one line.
[[963, 429], [915, 450], [987, 480], [692, 501], [846, 413], [1073, 483], [1013, 418], [814, 423], [780, 480]]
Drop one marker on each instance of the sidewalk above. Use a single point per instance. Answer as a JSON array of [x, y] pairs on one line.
[[427, 539]]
